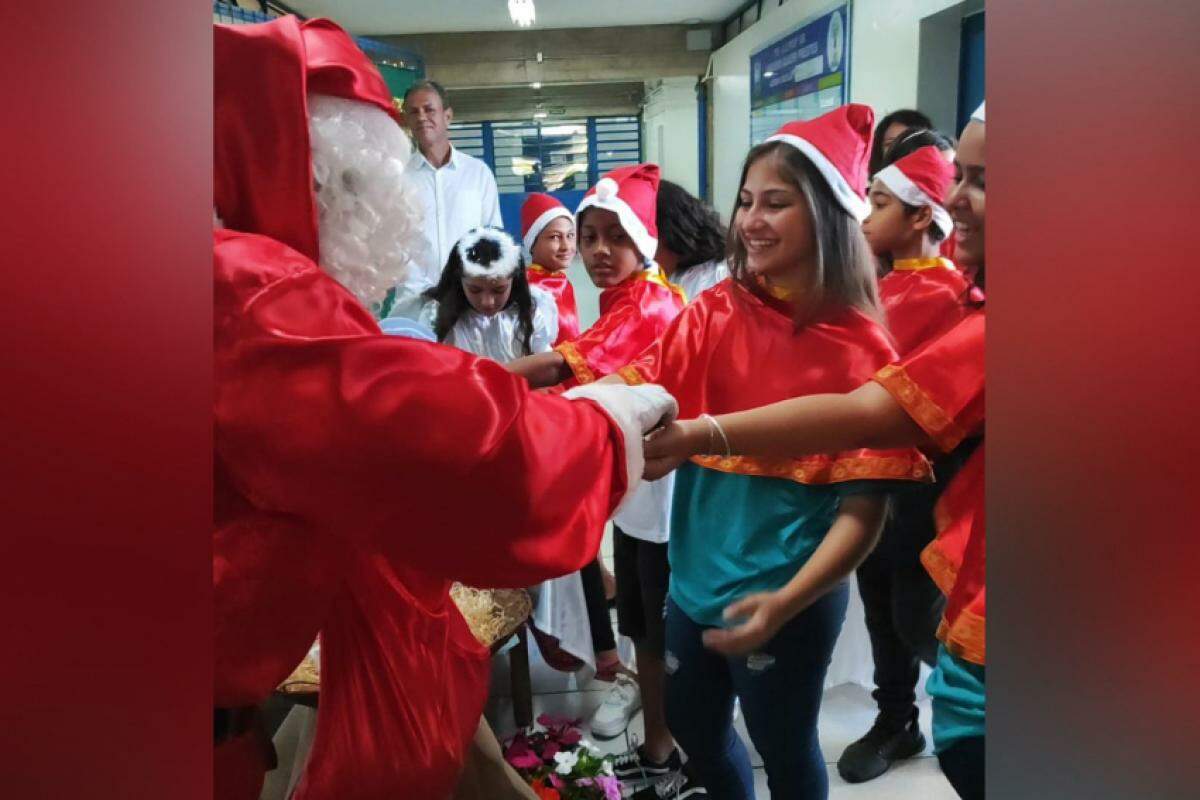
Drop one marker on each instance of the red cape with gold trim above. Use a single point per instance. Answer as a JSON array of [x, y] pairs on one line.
[[633, 314], [923, 301], [733, 349], [941, 387], [559, 287]]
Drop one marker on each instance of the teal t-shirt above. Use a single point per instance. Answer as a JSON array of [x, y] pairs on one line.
[[733, 535], [958, 691]]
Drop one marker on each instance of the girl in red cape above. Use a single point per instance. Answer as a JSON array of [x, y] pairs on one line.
[[934, 399], [798, 316]]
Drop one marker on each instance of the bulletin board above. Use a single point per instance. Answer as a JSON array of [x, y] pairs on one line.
[[802, 74]]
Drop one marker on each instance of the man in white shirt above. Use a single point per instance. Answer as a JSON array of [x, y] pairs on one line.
[[456, 191]]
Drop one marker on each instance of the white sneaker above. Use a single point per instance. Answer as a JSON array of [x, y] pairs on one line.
[[619, 705]]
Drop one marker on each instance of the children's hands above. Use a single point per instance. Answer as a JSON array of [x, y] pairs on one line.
[[668, 447], [761, 616]]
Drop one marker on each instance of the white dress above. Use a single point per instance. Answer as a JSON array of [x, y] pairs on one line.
[[695, 280], [497, 337]]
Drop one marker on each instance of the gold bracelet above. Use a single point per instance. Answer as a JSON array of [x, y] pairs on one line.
[[713, 424]]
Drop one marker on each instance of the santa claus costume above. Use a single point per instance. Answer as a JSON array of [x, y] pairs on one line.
[[338, 508], [538, 211]]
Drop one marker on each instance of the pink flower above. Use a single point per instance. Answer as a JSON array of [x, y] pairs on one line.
[[610, 785], [557, 782], [549, 751], [520, 756], [607, 784], [570, 737], [550, 722]]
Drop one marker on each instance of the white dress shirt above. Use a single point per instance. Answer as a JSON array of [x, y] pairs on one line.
[[455, 198]]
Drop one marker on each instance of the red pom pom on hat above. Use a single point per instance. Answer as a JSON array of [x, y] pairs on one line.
[[632, 194], [538, 211], [839, 145]]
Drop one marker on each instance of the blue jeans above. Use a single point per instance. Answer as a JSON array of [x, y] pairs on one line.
[[780, 689]]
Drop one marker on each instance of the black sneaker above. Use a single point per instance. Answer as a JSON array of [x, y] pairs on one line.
[[873, 754], [635, 769], [681, 785]]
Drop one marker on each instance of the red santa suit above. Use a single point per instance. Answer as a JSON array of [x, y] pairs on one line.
[[337, 505], [538, 211]]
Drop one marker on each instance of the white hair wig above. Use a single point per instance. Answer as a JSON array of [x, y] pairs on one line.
[[369, 225]]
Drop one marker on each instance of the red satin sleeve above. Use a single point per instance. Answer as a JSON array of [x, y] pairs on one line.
[[922, 305], [638, 314], [426, 453], [941, 385], [674, 360]]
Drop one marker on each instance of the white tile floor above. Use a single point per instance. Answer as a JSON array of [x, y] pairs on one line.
[[846, 713]]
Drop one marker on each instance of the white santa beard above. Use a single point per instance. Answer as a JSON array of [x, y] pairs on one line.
[[368, 227]]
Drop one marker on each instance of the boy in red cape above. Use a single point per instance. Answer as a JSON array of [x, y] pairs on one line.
[[618, 237], [337, 505]]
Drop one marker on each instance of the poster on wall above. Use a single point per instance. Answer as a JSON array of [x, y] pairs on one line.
[[802, 74]]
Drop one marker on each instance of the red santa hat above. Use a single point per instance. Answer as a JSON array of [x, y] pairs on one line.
[[632, 194], [538, 211], [488, 253], [262, 76], [922, 178], [839, 145]]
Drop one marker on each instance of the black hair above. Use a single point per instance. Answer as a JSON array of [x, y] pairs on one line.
[[452, 299], [845, 269], [688, 227], [911, 140], [909, 117], [424, 85], [582, 215]]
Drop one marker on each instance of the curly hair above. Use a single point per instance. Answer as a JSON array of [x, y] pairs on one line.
[[688, 227]]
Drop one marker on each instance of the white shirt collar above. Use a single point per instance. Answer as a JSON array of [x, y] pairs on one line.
[[452, 163]]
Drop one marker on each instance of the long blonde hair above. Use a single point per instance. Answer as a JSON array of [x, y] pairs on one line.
[[845, 267]]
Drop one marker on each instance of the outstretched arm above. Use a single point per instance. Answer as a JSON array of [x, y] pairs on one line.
[[823, 423]]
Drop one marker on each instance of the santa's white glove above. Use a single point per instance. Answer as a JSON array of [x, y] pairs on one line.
[[636, 410]]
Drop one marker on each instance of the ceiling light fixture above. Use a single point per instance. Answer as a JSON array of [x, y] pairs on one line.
[[521, 12], [535, 85]]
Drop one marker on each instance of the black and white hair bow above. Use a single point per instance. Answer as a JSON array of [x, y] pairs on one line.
[[488, 253]]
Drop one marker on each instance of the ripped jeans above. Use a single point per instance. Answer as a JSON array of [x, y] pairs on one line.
[[780, 690]]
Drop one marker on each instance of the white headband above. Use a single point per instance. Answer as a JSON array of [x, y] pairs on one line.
[[507, 262]]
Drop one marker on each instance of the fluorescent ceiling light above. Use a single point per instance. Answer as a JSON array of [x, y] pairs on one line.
[[535, 85], [539, 115], [521, 12]]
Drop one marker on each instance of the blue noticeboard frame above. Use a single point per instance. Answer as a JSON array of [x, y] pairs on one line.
[[802, 74]]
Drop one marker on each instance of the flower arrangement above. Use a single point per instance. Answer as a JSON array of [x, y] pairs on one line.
[[559, 764]]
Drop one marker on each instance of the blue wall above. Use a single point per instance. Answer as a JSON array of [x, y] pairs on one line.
[[970, 68]]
